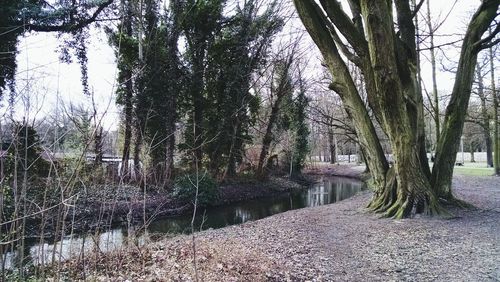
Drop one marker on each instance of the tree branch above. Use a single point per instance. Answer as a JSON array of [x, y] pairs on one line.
[[346, 26], [485, 42], [417, 8], [70, 26]]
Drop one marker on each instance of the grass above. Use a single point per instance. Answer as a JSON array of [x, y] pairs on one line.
[[475, 171]]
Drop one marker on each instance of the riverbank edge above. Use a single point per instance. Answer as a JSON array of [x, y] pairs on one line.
[[90, 216]]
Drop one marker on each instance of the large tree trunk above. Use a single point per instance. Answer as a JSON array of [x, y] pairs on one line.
[[399, 104]]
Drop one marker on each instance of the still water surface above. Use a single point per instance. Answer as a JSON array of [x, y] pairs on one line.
[[326, 191]]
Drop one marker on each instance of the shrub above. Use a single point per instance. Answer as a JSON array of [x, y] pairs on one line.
[[185, 189]]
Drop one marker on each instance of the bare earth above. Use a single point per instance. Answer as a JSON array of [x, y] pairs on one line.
[[338, 242]]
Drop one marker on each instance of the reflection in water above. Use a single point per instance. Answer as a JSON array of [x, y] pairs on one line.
[[326, 191]]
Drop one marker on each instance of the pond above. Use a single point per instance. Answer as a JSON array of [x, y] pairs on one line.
[[326, 191]]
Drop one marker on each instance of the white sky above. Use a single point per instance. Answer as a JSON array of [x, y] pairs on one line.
[[39, 65]]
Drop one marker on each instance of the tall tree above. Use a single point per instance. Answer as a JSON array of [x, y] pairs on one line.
[[281, 86], [126, 52], [300, 128], [387, 59], [201, 21]]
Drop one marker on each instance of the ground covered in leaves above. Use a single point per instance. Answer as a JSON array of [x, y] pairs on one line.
[[338, 242]]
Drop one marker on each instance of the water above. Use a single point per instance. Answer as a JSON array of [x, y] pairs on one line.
[[326, 191]]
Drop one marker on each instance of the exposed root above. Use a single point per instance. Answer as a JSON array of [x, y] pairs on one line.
[[393, 203], [452, 201]]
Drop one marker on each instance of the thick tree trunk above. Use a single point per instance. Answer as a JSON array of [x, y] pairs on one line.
[[400, 113]]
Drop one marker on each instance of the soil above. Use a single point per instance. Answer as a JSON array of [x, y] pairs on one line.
[[338, 242]]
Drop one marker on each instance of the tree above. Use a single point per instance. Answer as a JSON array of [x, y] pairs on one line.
[[202, 21], [235, 48], [281, 86], [435, 97], [20, 16], [484, 116], [299, 126], [123, 41], [387, 58], [496, 104]]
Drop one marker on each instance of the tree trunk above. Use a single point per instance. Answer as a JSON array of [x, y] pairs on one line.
[[496, 125], [128, 96], [268, 136], [98, 143], [402, 118], [447, 147], [128, 128], [137, 154], [331, 145], [485, 117], [281, 71], [435, 106]]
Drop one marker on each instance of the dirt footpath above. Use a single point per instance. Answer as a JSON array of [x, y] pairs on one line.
[[338, 242]]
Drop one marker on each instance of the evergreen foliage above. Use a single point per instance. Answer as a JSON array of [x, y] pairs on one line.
[[185, 189]]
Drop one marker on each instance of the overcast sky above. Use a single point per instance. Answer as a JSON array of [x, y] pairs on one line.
[[41, 72]]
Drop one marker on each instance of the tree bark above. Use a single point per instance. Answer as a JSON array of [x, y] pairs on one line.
[[399, 105]]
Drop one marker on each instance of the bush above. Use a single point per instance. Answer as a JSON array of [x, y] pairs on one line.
[[208, 190]]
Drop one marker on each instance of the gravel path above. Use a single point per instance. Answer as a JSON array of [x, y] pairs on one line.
[[338, 242]]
